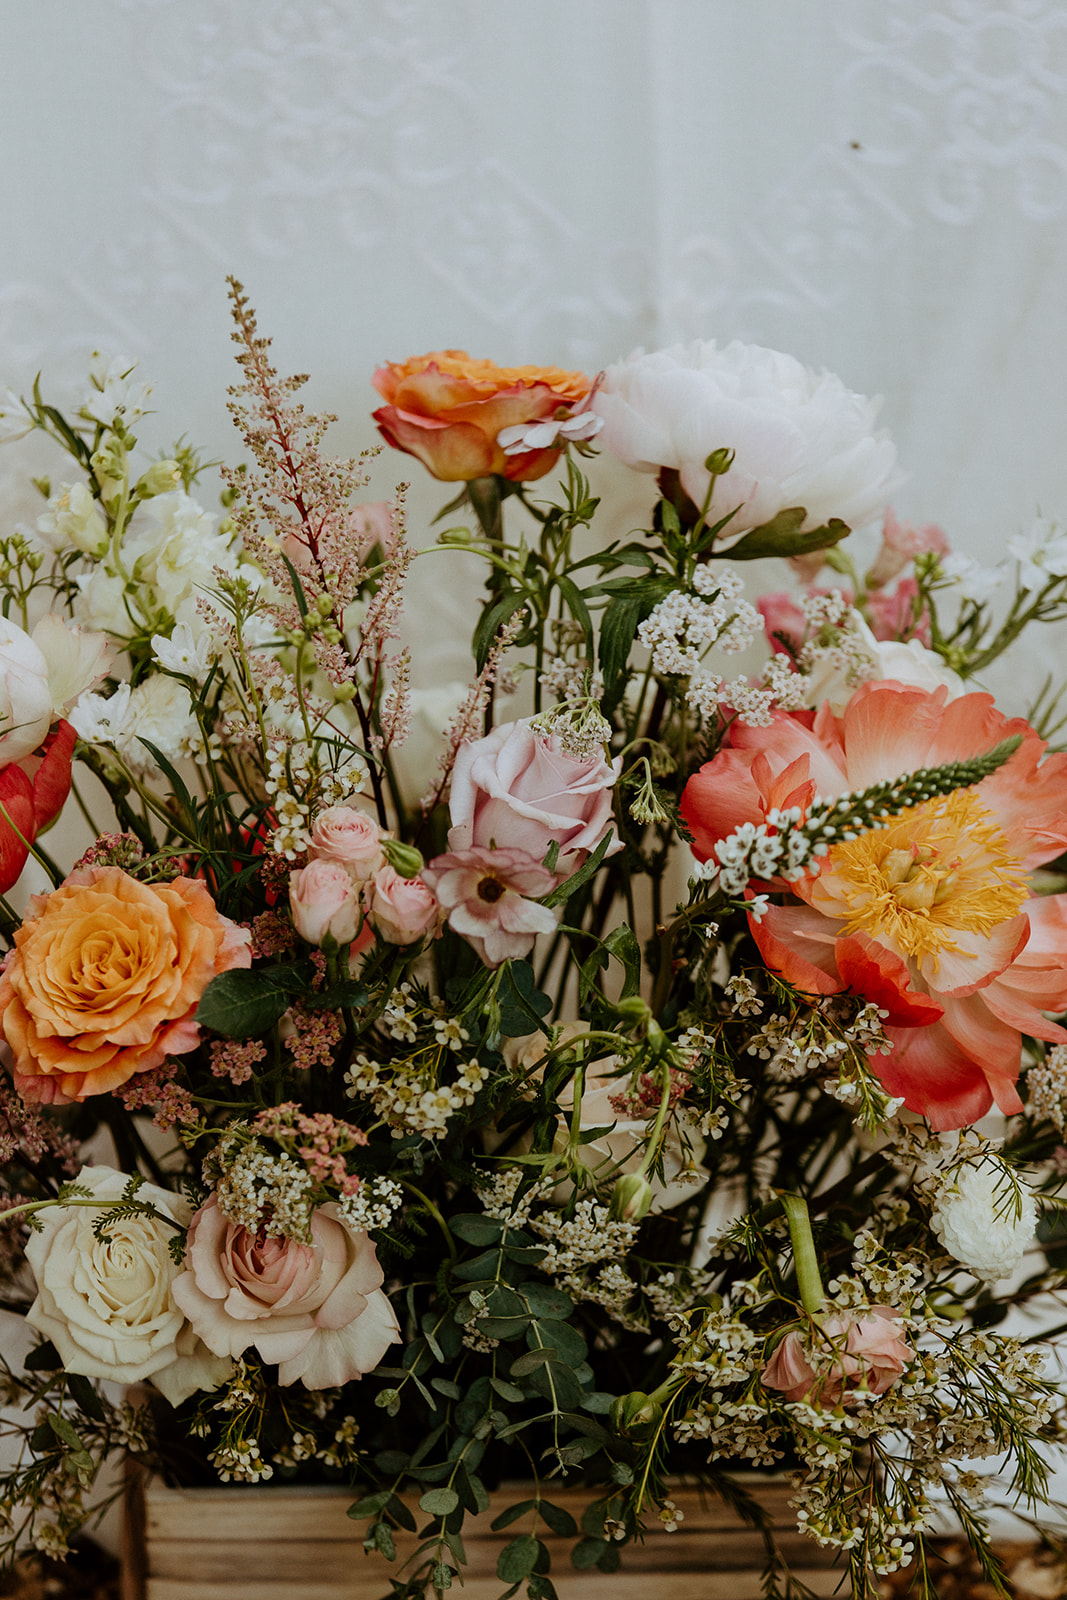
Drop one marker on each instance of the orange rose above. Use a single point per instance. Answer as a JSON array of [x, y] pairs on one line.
[[105, 978], [448, 408]]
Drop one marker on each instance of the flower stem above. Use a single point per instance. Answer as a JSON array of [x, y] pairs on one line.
[[808, 1280]]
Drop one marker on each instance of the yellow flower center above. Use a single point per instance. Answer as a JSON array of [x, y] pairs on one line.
[[939, 868]]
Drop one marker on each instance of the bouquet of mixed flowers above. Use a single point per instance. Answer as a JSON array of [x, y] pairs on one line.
[[608, 1099]]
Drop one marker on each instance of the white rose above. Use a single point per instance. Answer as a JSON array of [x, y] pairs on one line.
[[106, 1304], [976, 1221], [800, 438], [25, 696]]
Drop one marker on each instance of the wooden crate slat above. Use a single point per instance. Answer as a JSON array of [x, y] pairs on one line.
[[569, 1586]]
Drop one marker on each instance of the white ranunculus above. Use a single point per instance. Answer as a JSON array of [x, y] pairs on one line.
[[800, 438], [106, 1304], [976, 1220], [25, 695]]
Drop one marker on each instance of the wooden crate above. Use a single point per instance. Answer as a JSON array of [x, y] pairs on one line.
[[297, 1544]]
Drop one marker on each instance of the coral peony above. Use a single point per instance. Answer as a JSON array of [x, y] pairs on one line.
[[105, 978], [929, 916], [448, 408]]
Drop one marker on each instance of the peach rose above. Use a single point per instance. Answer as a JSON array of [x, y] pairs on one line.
[[105, 978], [848, 1353], [350, 835], [317, 1309], [402, 909], [447, 409]]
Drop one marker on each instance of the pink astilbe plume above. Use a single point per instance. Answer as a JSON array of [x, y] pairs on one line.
[[467, 722]]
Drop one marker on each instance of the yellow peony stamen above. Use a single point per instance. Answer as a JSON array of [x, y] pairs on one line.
[[939, 868]]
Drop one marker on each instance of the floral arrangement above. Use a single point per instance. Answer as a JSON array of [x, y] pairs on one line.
[[665, 1080]]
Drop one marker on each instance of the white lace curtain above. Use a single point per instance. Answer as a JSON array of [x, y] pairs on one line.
[[878, 186]]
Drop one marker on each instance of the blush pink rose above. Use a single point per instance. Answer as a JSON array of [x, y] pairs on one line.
[[324, 901], [901, 543], [318, 1310], [517, 790], [402, 909], [351, 836], [848, 1355]]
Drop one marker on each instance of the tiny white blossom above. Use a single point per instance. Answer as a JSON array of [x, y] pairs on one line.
[[1041, 553]]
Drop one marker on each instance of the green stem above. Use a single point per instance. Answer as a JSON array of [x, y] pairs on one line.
[[804, 1257]]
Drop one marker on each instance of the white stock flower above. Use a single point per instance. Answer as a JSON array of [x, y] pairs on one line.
[[106, 1304], [800, 438], [112, 394], [975, 582], [73, 519], [15, 420], [976, 1220], [159, 710], [101, 603], [1041, 553], [185, 652]]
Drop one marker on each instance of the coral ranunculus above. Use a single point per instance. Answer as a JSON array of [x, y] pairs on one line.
[[105, 978], [930, 915], [447, 408]]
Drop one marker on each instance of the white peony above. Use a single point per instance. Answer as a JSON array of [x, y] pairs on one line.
[[834, 679], [800, 438], [976, 1221], [106, 1304]]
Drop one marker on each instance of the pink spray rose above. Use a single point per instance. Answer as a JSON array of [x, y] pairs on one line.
[[324, 900], [484, 894], [848, 1353], [348, 835], [318, 1310], [517, 790], [402, 909]]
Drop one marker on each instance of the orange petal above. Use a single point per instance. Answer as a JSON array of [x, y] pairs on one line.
[[882, 978]]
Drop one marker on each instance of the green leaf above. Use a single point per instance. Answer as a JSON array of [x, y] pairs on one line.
[[66, 1433], [512, 1514], [559, 1520], [544, 1300], [85, 1396], [570, 1345], [178, 788], [401, 1513], [490, 623], [442, 1576], [369, 1506], [242, 1004], [43, 1358], [476, 1229], [298, 587], [575, 601], [478, 1269], [564, 891], [587, 1553], [507, 1391], [518, 1558], [523, 1365], [781, 537], [522, 1005], [557, 1384], [439, 1502]]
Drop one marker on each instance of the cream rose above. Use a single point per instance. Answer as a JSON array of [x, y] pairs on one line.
[[318, 1309], [106, 1304]]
